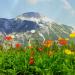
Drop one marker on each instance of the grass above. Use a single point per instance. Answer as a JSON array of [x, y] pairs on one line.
[[47, 61], [47, 58]]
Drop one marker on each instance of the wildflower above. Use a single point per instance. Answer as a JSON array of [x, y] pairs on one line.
[[48, 43], [72, 35], [40, 49], [68, 52], [50, 53], [8, 38], [63, 42], [18, 45], [67, 39], [31, 60], [30, 47]]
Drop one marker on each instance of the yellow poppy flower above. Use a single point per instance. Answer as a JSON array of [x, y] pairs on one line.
[[72, 35], [68, 52], [67, 39]]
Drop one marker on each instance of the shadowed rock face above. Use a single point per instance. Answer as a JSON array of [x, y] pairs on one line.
[[11, 25]]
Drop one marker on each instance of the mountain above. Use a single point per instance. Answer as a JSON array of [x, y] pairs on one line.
[[48, 27], [33, 25], [10, 25]]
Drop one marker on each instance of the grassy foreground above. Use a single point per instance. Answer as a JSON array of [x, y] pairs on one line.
[[47, 58], [37, 61]]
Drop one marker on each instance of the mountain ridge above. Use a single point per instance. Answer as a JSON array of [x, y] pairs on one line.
[[34, 26]]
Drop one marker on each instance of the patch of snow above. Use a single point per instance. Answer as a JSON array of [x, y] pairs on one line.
[[32, 31], [42, 36]]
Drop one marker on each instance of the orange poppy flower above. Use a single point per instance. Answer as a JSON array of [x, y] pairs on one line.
[[30, 47], [48, 43], [18, 45], [63, 42], [31, 58], [40, 49], [31, 61], [8, 38]]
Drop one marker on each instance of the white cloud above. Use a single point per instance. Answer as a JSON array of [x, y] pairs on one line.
[[68, 7], [33, 2]]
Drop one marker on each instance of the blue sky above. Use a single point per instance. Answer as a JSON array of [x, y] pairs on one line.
[[62, 11]]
